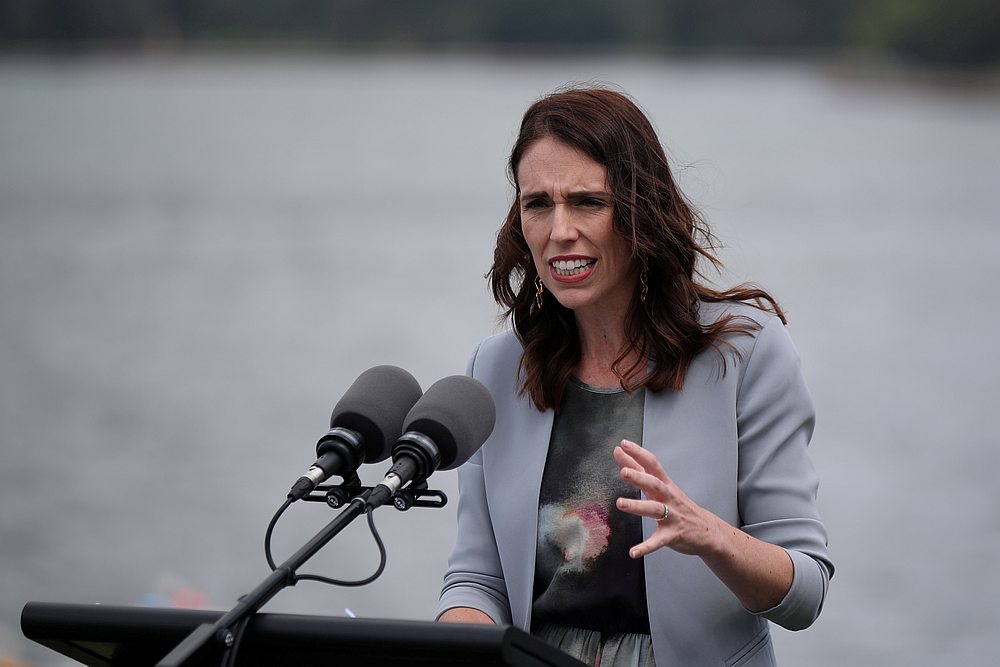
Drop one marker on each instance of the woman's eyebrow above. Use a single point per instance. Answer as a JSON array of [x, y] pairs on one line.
[[540, 194], [588, 194], [574, 195]]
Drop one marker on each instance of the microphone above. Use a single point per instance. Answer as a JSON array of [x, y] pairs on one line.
[[443, 430], [364, 422]]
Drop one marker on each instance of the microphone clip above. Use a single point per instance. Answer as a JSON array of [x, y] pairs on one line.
[[414, 495]]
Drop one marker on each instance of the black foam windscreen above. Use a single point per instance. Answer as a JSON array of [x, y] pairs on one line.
[[376, 406], [457, 413]]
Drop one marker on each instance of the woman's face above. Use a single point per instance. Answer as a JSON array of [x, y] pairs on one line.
[[566, 218]]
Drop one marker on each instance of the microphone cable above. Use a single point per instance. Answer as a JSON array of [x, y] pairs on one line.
[[270, 529], [230, 655], [315, 577]]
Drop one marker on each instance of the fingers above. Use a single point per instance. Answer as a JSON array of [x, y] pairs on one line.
[[656, 487], [644, 548], [623, 459], [630, 456], [644, 458], [651, 486], [653, 509], [641, 470]]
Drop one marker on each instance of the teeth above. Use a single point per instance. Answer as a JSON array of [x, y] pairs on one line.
[[571, 267]]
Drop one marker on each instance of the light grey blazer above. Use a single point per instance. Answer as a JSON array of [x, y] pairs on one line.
[[734, 440]]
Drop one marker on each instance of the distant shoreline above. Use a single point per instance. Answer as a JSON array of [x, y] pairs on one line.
[[848, 68]]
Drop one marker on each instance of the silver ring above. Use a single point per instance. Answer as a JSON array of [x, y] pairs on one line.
[[666, 512]]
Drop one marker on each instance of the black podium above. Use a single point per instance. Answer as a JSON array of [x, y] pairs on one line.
[[101, 635]]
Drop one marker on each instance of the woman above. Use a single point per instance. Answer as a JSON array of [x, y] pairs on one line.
[[676, 551]]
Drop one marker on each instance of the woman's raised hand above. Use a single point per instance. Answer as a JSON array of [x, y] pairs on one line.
[[758, 573], [681, 524]]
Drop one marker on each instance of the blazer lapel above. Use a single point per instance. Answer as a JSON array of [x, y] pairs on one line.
[[519, 463]]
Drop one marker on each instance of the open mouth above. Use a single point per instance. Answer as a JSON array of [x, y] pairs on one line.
[[571, 267]]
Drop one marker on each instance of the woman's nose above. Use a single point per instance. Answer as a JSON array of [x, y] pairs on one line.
[[563, 225]]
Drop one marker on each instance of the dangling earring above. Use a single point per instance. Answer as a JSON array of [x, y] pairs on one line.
[[539, 290], [644, 281]]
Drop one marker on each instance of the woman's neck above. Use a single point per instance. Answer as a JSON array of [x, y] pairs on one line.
[[601, 343]]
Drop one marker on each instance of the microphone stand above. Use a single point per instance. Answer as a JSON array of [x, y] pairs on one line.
[[209, 638]]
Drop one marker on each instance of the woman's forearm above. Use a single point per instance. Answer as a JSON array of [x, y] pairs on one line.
[[758, 573]]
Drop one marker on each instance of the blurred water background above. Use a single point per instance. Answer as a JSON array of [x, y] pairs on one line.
[[200, 252]]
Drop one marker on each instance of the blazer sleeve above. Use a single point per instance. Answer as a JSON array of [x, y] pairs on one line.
[[777, 483], [475, 577]]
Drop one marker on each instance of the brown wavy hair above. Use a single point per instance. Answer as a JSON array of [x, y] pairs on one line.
[[667, 235]]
